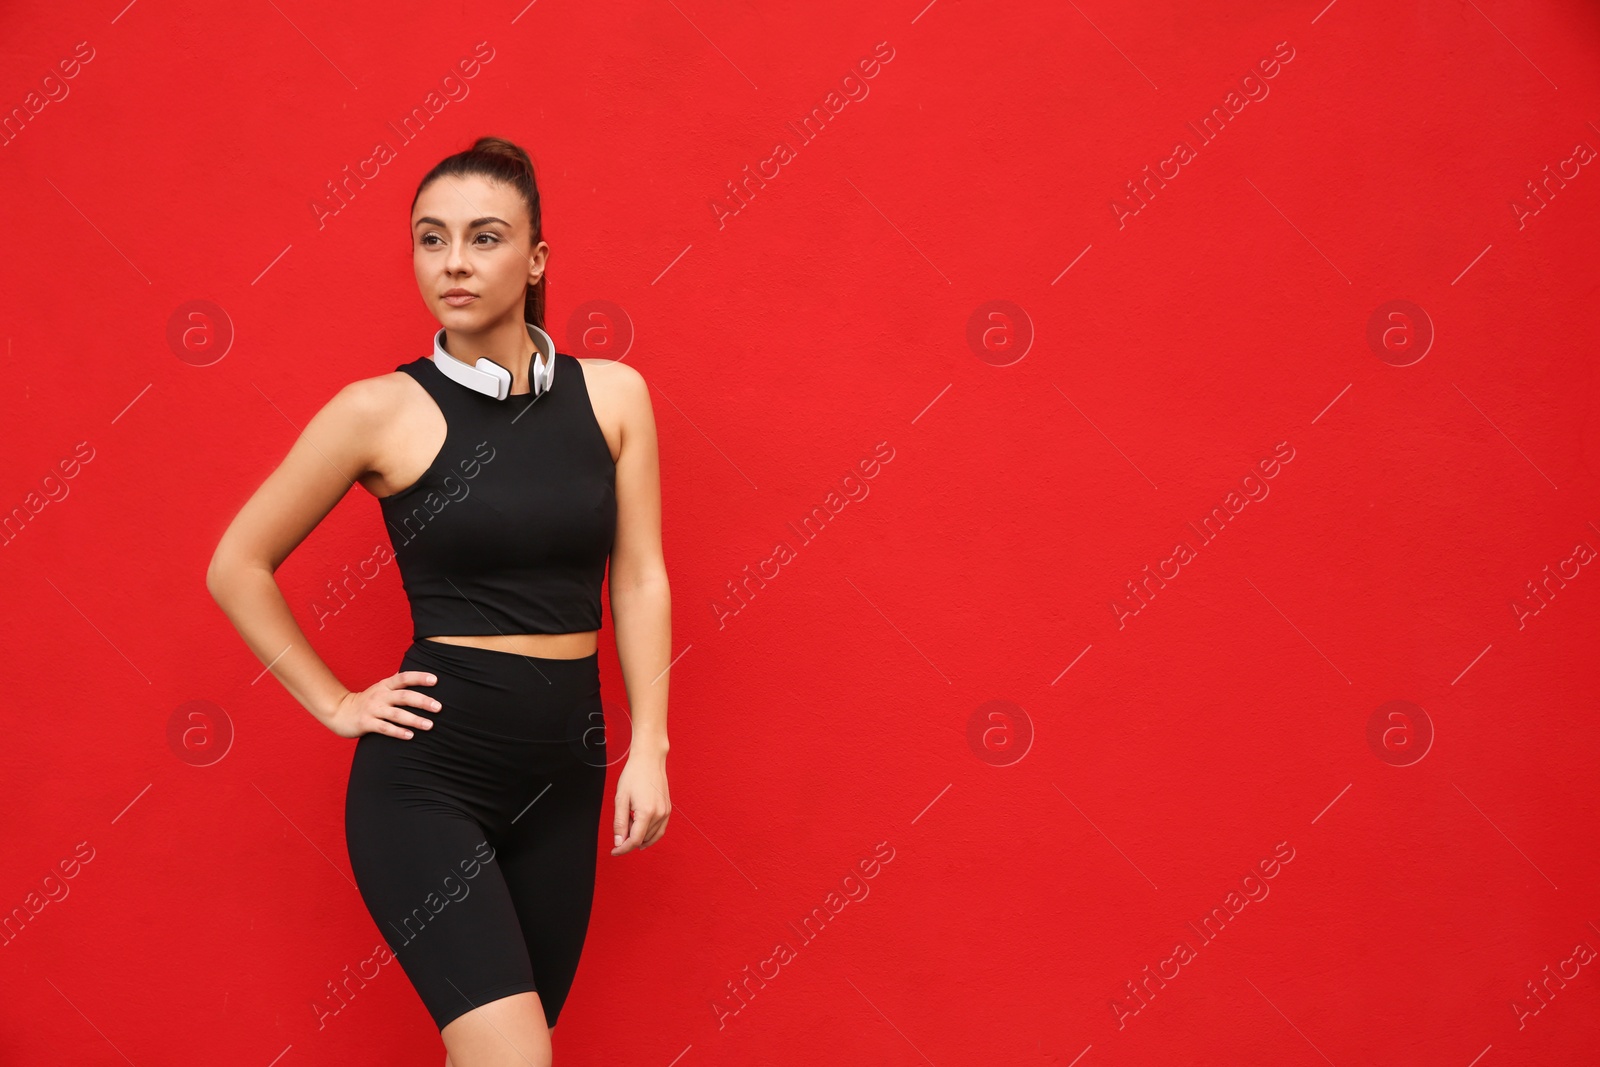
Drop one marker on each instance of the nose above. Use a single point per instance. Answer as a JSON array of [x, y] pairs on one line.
[[456, 257]]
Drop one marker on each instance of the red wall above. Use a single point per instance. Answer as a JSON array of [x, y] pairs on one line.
[[1355, 328]]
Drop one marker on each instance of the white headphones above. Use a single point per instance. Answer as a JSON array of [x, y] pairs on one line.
[[489, 377]]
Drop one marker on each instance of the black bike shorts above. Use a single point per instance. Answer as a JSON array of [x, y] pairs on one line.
[[474, 844]]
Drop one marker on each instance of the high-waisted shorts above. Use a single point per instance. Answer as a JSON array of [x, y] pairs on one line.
[[474, 844]]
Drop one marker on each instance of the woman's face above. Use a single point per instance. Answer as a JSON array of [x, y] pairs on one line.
[[472, 234]]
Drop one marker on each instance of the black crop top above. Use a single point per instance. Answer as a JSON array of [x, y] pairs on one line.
[[509, 529]]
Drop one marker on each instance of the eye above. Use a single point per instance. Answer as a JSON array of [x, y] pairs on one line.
[[430, 239]]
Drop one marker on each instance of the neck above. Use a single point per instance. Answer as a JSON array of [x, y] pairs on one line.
[[506, 343]]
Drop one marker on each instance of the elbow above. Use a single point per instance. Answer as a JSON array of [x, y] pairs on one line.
[[222, 574], [215, 579], [654, 579]]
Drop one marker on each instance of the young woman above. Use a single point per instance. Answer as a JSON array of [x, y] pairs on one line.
[[507, 473]]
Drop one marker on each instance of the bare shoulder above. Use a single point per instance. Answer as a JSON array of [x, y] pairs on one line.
[[620, 380], [363, 418], [621, 400], [381, 401], [378, 392]]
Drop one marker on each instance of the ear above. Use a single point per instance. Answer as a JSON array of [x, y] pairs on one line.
[[536, 263]]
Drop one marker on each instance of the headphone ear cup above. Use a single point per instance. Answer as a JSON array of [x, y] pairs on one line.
[[501, 376]]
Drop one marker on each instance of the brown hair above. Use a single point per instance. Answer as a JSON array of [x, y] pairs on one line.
[[500, 160]]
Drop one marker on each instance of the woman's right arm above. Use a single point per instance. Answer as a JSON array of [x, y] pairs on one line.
[[336, 447]]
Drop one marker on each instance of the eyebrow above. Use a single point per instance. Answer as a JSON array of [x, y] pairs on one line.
[[474, 224]]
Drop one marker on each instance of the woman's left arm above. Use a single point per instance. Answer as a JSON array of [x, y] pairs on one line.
[[641, 611]]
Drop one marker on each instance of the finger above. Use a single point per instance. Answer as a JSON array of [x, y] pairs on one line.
[[619, 823], [406, 718], [412, 698], [377, 725], [658, 828], [634, 834], [405, 678], [641, 822]]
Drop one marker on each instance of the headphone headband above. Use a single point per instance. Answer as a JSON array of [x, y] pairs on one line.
[[490, 378]]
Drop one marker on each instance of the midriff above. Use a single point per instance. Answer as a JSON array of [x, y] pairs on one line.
[[545, 646]]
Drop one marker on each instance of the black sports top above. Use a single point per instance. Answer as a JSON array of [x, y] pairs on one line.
[[509, 529]]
